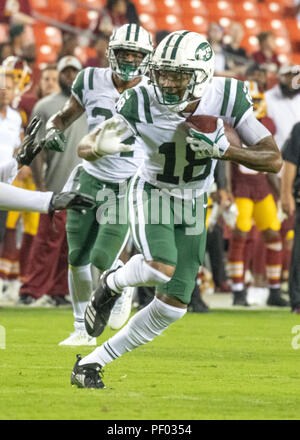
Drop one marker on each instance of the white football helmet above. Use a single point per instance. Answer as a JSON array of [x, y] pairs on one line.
[[183, 52], [134, 38]]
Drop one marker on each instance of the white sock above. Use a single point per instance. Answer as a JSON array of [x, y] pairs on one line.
[[136, 272], [140, 329], [80, 288]]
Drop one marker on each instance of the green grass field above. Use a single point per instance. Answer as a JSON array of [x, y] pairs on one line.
[[227, 364]]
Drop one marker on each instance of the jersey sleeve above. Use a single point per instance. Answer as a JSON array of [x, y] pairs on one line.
[[237, 102], [83, 80], [128, 108]]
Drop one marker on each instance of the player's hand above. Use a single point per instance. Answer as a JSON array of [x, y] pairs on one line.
[[54, 140], [71, 200], [109, 140], [209, 144], [29, 148]]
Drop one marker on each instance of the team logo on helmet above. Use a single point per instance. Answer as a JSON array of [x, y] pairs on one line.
[[204, 52]]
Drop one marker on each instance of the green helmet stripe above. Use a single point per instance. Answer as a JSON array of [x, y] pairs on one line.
[[176, 45], [128, 33], [163, 55], [137, 31]]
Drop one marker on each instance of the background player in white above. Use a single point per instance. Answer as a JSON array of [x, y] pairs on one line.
[[96, 91], [182, 84]]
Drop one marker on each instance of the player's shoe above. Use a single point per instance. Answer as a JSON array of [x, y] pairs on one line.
[[79, 337], [99, 307], [121, 310], [87, 375], [240, 298], [275, 299]]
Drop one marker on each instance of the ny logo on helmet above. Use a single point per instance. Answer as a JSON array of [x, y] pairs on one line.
[[204, 52]]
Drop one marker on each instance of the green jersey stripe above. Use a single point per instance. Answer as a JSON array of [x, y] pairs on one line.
[[130, 107], [91, 78], [226, 96], [176, 45], [147, 105], [78, 85], [241, 104]]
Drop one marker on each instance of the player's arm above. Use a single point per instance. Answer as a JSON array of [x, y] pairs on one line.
[[263, 156], [59, 122], [262, 153], [289, 172]]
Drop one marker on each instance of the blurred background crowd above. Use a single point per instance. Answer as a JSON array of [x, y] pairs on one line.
[[254, 40]]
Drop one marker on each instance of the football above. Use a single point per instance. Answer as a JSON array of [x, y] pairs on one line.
[[208, 124]]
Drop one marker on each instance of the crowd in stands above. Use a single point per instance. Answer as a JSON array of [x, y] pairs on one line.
[[28, 270]]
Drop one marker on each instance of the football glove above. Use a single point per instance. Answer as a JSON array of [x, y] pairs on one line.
[[54, 140], [29, 148], [109, 140], [212, 145], [71, 200]]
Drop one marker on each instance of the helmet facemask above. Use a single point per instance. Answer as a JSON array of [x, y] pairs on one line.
[[185, 92], [128, 64]]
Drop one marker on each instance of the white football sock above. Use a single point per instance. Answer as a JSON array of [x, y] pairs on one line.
[[140, 329], [80, 288], [136, 272]]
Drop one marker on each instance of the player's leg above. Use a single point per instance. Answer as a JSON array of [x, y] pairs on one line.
[[266, 220], [237, 246], [169, 305], [153, 266], [82, 229]]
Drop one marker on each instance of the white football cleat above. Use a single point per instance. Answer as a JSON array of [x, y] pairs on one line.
[[79, 337], [121, 310]]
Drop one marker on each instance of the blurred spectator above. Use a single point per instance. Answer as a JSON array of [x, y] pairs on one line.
[[10, 138], [255, 204], [5, 50], [290, 200], [215, 35], [100, 60], [112, 16], [47, 282], [49, 81], [30, 97], [16, 11], [131, 13], [159, 36], [283, 106], [283, 103], [236, 57], [258, 74], [70, 42], [17, 38], [266, 54]]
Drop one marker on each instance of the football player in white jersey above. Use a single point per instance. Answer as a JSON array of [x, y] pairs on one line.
[[95, 91], [178, 166]]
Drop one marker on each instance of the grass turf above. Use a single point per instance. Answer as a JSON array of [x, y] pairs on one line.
[[228, 364]]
